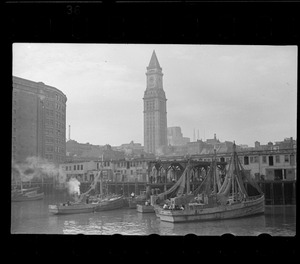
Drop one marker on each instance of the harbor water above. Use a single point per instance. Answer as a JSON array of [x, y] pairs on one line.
[[32, 217]]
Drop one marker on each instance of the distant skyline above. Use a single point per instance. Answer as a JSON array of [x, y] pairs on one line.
[[240, 93]]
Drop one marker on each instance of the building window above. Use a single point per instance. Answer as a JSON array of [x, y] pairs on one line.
[[286, 158], [264, 159], [81, 167], [253, 159], [277, 159], [49, 148], [78, 167], [66, 168], [74, 167], [246, 160]]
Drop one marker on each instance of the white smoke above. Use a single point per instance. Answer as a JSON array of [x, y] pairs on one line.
[[73, 186], [36, 168], [62, 177]]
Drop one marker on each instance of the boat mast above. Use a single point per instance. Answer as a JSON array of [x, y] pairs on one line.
[[101, 189], [21, 183], [233, 171], [214, 171]]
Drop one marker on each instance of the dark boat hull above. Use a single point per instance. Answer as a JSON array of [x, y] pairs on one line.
[[110, 204], [133, 202], [145, 208]]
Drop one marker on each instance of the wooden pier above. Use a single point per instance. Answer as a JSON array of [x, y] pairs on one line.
[[276, 192]]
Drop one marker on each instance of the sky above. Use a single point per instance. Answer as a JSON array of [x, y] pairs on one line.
[[240, 93]]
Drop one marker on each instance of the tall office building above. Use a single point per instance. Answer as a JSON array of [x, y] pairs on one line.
[[38, 121], [155, 109]]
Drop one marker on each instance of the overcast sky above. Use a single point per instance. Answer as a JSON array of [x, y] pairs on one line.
[[241, 93]]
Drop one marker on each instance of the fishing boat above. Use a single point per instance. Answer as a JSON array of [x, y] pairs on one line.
[[26, 194], [82, 204], [140, 199], [72, 208], [213, 199], [110, 203], [16, 190], [142, 208], [87, 204]]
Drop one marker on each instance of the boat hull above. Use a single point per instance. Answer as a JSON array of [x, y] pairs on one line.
[[72, 209], [202, 213], [145, 208], [111, 204], [22, 198], [133, 202]]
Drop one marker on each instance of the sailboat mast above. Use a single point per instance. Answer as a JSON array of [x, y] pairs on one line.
[[188, 182], [101, 175], [234, 171], [101, 189], [214, 171], [21, 184]]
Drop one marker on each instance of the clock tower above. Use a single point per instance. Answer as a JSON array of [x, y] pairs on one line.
[[155, 109]]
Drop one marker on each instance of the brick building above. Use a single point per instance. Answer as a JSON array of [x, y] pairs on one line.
[[87, 151], [38, 121]]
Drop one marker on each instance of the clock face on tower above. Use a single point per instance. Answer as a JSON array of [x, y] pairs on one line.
[[151, 81]]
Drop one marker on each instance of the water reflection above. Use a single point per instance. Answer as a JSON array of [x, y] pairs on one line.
[[244, 226], [33, 218]]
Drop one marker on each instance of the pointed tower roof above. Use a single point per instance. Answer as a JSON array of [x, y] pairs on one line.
[[153, 62]]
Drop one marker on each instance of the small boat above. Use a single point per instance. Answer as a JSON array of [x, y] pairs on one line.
[[30, 194], [145, 208], [18, 191], [80, 205], [213, 200], [110, 203], [72, 208], [134, 201]]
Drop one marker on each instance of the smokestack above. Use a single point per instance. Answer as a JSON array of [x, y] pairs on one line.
[[198, 134], [215, 137], [69, 132], [194, 139]]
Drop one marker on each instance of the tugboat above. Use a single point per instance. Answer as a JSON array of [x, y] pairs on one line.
[[213, 200], [88, 204]]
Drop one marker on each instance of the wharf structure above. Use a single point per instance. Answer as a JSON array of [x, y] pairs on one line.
[[268, 165], [273, 170], [38, 121], [277, 179]]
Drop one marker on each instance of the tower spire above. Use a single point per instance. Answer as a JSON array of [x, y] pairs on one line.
[[153, 64]]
